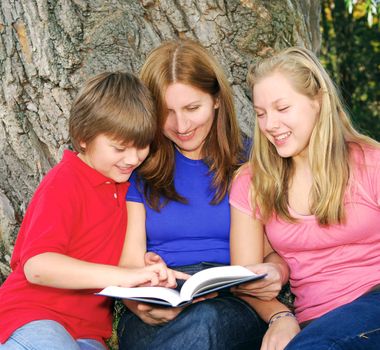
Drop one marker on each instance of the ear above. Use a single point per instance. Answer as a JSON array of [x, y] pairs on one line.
[[83, 145], [216, 102], [318, 100]]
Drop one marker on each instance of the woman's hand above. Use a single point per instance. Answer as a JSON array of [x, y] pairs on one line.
[[152, 315], [280, 333], [266, 288]]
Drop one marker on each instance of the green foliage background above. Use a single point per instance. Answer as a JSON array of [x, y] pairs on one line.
[[351, 53]]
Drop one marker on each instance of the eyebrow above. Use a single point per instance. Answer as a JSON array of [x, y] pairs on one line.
[[188, 104], [274, 102]]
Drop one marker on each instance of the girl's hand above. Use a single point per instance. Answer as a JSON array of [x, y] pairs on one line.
[[266, 288], [280, 333]]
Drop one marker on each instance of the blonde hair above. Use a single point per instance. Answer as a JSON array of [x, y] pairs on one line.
[[115, 104], [328, 146], [187, 62]]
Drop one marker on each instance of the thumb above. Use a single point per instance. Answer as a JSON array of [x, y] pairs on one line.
[[151, 258]]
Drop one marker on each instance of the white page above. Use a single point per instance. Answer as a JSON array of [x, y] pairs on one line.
[[168, 294], [212, 276]]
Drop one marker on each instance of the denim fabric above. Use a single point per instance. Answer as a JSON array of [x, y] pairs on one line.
[[47, 335], [224, 322], [354, 326]]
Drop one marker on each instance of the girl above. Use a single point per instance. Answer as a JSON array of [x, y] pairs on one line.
[[313, 184]]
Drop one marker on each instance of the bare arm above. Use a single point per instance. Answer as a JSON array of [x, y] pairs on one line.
[[247, 238], [61, 271], [134, 251], [135, 240]]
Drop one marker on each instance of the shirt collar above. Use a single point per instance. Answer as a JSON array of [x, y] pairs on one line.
[[94, 177]]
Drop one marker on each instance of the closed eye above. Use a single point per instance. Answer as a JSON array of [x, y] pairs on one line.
[[283, 109], [118, 149], [192, 108], [259, 114]]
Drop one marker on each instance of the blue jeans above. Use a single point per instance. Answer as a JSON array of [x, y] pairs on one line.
[[225, 322], [354, 326], [47, 335]]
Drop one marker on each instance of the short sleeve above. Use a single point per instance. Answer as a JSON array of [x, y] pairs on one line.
[[134, 193], [48, 224], [240, 192]]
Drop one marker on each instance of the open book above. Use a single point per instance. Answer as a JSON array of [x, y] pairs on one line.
[[201, 283]]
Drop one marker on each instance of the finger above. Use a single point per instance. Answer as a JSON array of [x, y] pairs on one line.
[[171, 280], [205, 297], [154, 280], [152, 258], [181, 275], [162, 272], [144, 307]]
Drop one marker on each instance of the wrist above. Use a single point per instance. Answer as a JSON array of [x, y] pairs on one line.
[[284, 273], [276, 316]]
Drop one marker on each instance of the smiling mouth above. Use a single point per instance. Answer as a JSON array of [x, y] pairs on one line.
[[185, 133], [185, 136], [125, 170], [282, 137]]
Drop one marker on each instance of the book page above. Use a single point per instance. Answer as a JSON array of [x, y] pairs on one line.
[[216, 275], [167, 294]]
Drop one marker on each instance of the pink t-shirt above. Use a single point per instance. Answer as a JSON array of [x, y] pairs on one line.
[[330, 266]]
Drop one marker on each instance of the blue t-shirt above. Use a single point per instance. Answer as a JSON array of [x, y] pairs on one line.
[[185, 234]]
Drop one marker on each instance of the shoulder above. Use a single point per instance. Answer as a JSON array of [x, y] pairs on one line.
[[240, 192], [365, 167], [136, 189], [364, 156], [243, 174]]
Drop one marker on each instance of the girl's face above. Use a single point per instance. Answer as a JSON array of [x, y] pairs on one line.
[[190, 116], [286, 117], [111, 158]]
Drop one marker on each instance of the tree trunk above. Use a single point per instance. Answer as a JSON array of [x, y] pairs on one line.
[[49, 47]]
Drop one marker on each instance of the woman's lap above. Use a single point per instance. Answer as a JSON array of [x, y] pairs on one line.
[[225, 322], [354, 326]]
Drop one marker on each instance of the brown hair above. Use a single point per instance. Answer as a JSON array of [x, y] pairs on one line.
[[328, 146], [115, 104], [187, 62]]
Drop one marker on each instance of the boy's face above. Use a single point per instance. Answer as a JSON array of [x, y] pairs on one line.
[[111, 158]]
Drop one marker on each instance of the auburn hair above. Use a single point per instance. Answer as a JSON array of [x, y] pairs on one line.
[[187, 62]]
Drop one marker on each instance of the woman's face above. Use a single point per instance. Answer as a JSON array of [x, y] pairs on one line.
[[286, 117], [190, 116]]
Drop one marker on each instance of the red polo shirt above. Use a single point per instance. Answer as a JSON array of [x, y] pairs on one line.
[[77, 212]]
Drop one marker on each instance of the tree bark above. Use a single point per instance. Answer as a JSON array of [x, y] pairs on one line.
[[49, 47]]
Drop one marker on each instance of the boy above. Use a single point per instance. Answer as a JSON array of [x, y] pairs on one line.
[[72, 235]]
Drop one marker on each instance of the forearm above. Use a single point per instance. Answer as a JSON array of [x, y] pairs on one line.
[[265, 309], [280, 265], [61, 271]]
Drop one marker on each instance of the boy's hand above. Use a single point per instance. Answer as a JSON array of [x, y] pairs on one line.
[[153, 275], [151, 258]]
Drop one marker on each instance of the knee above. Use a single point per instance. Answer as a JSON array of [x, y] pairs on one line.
[[203, 313]]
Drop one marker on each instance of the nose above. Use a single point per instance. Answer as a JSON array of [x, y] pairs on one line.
[[131, 156], [272, 121], [181, 122]]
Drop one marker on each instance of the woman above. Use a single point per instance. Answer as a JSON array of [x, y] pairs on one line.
[[178, 205], [313, 184]]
